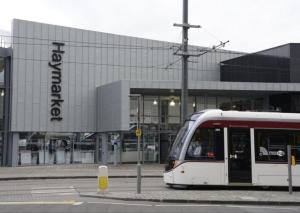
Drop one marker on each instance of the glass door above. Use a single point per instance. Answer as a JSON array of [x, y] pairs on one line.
[[150, 151]]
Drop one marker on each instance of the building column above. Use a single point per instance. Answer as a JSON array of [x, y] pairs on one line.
[[97, 148], [120, 148], [7, 136], [267, 103], [104, 150], [12, 151]]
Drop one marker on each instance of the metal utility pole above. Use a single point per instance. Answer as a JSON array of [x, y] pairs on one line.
[[184, 76], [185, 55], [138, 133], [289, 155]]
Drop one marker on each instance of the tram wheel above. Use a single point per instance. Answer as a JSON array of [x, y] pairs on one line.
[[177, 186], [265, 187]]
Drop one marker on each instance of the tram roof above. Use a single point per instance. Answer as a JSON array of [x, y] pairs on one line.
[[245, 115]]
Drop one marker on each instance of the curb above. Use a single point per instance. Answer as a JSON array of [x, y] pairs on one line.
[[75, 177], [231, 202]]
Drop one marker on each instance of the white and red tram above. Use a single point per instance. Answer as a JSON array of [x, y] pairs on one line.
[[216, 147]]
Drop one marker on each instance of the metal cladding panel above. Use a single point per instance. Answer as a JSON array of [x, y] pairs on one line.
[[90, 59], [113, 107], [280, 51], [295, 63]]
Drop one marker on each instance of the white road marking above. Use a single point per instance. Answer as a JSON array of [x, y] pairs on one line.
[[59, 191], [52, 187], [77, 203], [125, 204], [51, 191], [157, 205], [72, 202], [187, 205]]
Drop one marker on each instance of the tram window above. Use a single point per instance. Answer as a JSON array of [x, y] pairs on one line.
[[271, 145], [206, 144], [295, 142]]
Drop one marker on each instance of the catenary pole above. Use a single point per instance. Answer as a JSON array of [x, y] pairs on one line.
[[184, 76], [184, 57]]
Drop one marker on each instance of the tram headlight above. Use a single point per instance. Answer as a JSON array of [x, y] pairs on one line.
[[176, 163], [171, 164]]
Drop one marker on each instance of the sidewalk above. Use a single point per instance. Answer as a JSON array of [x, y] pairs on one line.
[[237, 197], [77, 171]]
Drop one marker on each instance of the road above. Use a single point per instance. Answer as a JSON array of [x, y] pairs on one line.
[[112, 206], [69, 188], [62, 195]]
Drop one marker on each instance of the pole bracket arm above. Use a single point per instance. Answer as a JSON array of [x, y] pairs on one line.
[[186, 25]]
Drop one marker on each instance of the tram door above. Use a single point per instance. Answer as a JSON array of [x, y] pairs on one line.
[[239, 156]]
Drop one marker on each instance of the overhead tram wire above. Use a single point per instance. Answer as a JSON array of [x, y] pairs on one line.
[[211, 34], [164, 66], [172, 63], [99, 64], [160, 67], [105, 45], [88, 44]]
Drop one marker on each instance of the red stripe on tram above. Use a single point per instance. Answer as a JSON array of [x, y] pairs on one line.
[[249, 124]]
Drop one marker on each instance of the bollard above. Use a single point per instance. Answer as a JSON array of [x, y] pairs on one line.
[[102, 178]]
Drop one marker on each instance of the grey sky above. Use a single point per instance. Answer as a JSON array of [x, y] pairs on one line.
[[250, 25]]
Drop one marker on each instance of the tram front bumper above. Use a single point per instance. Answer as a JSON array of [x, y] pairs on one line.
[[169, 177]]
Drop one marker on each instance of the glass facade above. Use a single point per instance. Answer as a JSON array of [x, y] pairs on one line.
[[278, 64], [60, 148], [256, 68], [160, 120]]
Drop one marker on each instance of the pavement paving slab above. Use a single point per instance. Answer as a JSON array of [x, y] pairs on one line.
[[77, 171], [205, 196]]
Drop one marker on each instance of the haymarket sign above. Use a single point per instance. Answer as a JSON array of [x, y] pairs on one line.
[[55, 65]]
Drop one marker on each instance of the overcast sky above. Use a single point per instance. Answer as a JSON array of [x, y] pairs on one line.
[[250, 25]]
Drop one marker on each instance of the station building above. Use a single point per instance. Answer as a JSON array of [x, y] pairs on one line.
[[70, 95]]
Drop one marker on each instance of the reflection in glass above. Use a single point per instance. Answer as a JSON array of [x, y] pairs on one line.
[[56, 148]]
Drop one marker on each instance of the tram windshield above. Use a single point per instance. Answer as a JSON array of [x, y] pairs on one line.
[[181, 135]]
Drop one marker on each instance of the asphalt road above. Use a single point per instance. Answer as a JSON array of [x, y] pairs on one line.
[[63, 196], [124, 207]]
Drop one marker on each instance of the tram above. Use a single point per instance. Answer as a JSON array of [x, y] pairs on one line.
[[216, 147]]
